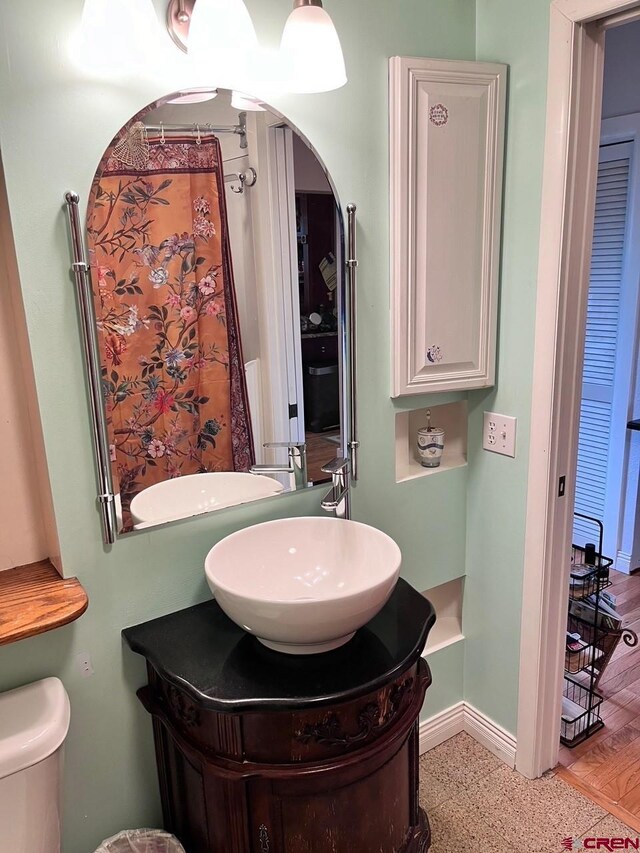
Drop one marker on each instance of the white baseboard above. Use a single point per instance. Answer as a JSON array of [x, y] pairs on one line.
[[441, 727], [463, 717], [623, 563]]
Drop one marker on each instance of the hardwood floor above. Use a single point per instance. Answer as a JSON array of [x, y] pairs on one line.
[[607, 765]]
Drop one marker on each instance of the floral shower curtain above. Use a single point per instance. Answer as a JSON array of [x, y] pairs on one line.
[[173, 372]]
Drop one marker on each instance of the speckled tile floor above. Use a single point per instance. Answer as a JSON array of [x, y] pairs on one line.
[[478, 805]]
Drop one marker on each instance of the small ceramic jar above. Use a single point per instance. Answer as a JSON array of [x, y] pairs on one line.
[[430, 444]]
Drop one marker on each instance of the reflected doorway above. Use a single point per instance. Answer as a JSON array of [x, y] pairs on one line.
[[316, 241]]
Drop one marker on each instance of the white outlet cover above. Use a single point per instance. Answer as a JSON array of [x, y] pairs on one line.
[[499, 434]]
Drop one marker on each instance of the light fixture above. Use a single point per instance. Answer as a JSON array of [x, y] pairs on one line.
[[311, 49], [219, 35], [179, 14], [242, 102], [120, 37], [117, 36], [196, 95]]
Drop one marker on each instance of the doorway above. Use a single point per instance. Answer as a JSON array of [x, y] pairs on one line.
[[607, 466], [600, 719], [317, 255], [572, 154]]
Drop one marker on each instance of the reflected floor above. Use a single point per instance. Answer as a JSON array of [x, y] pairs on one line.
[[322, 447]]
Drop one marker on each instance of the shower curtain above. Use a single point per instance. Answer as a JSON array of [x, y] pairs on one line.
[[173, 373]]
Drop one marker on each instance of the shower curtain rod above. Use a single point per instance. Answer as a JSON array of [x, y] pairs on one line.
[[193, 128], [239, 129]]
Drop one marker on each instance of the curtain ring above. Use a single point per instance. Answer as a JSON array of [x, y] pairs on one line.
[[198, 137]]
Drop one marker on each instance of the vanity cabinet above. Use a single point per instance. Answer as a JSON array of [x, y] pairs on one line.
[[261, 752], [446, 149]]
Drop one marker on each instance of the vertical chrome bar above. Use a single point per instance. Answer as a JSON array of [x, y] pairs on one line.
[[242, 129], [80, 271], [352, 263]]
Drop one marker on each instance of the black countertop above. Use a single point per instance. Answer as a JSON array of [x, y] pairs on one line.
[[201, 651]]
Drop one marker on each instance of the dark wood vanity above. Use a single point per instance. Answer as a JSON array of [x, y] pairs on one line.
[[261, 752]]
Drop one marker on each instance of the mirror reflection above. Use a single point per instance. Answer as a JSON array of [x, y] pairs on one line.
[[215, 248]]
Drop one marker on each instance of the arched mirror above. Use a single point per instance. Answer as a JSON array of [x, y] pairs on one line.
[[216, 263]]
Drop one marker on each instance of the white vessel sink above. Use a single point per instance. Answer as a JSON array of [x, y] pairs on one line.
[[303, 585], [194, 494]]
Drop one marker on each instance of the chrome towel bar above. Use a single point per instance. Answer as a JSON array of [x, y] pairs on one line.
[[80, 269], [352, 263]]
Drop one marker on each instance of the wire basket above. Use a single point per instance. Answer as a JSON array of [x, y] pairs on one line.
[[601, 641], [583, 584], [141, 841], [580, 712]]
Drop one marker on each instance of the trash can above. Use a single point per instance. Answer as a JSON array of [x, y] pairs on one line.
[[141, 841], [321, 384]]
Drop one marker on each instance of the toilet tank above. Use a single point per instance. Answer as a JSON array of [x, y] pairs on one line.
[[34, 721]]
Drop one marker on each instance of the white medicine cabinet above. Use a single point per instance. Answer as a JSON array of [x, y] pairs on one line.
[[446, 146]]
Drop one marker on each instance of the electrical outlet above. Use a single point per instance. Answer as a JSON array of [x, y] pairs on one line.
[[499, 434], [83, 661]]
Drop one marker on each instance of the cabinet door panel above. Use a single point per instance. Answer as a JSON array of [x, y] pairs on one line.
[[182, 789], [447, 129], [341, 819]]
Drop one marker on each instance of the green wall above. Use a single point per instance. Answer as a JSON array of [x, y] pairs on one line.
[[54, 126], [514, 32]]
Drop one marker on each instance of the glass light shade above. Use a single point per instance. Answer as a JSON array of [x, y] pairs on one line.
[[221, 40], [267, 77], [194, 96], [312, 52], [240, 101], [117, 37]]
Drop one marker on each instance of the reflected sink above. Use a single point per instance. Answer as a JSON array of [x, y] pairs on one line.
[[194, 494], [303, 585]]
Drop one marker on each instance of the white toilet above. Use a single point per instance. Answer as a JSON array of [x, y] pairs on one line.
[[34, 721]]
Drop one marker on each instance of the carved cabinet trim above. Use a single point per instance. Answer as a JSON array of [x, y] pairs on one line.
[[372, 721]]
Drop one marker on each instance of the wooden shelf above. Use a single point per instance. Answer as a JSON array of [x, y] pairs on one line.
[[35, 599]]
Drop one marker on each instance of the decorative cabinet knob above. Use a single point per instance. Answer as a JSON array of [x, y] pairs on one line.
[[263, 838]]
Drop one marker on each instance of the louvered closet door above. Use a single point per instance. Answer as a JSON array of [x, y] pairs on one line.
[[593, 482]]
